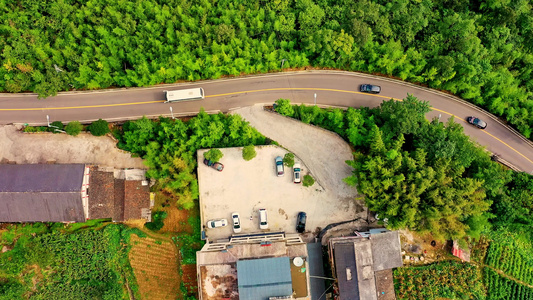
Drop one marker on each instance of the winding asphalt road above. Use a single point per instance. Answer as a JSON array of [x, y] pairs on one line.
[[333, 88]]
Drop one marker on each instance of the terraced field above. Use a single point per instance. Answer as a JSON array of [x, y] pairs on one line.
[[155, 265]]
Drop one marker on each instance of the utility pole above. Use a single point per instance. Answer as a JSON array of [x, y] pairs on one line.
[[171, 113], [56, 128], [315, 99]]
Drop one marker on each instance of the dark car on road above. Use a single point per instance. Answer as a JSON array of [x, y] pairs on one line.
[[369, 88], [215, 165], [300, 222], [476, 122]]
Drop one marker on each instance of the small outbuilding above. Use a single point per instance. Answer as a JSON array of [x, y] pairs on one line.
[[363, 264]]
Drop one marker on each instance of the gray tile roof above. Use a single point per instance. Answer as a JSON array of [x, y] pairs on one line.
[[41, 207], [316, 268], [41, 193], [41, 178], [386, 250], [345, 267], [365, 272], [259, 279], [360, 258]]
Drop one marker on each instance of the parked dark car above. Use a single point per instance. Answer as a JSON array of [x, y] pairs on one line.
[[215, 165], [369, 88], [300, 222], [476, 122]]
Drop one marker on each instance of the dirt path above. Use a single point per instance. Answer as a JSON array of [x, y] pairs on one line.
[[39, 148]]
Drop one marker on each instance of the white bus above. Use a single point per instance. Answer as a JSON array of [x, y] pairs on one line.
[[185, 95]]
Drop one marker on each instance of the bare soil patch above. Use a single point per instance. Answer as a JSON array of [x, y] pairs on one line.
[[39, 148], [189, 278], [176, 220], [423, 248]]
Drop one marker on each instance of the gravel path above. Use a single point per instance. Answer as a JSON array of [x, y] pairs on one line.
[[322, 151], [40, 148]]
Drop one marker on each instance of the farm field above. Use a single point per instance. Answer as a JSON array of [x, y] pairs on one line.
[[155, 265], [449, 279], [510, 260], [501, 288], [58, 261]]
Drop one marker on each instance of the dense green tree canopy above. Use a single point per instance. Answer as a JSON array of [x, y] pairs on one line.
[[479, 50]]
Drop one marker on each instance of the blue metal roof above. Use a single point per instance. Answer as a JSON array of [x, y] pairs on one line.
[[259, 279]]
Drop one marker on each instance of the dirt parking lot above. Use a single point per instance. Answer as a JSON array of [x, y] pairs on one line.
[[40, 148], [246, 186]]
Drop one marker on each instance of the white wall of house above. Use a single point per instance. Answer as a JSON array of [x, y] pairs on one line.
[[85, 192]]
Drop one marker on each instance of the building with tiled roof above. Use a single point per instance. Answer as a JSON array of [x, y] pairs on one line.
[[71, 193]]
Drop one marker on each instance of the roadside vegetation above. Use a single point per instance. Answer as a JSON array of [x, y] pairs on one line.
[[96, 128], [479, 50]]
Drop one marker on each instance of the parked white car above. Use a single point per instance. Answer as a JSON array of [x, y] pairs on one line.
[[217, 223], [236, 222], [263, 223], [297, 173]]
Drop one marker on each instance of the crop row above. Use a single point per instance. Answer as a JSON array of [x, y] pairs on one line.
[[450, 279], [509, 260], [501, 288]]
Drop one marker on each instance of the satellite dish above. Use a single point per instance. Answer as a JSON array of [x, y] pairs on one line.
[[298, 261]]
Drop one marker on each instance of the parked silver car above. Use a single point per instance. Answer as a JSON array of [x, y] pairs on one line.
[[279, 166]]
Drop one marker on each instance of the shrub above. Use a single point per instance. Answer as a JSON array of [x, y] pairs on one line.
[[99, 128], [30, 129], [213, 154], [308, 180], [74, 128], [284, 107], [56, 126], [288, 160], [157, 221], [248, 152], [35, 129]]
